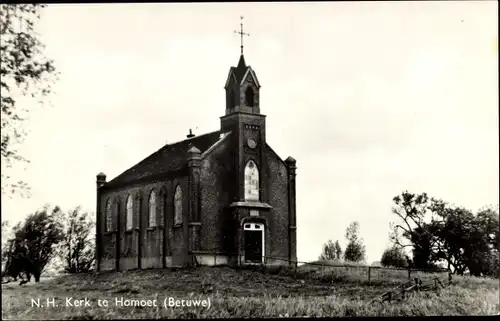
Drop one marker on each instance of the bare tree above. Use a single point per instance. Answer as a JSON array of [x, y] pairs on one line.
[[77, 247]]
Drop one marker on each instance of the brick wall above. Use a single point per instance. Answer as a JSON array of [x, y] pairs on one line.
[[278, 198], [143, 241], [216, 183]]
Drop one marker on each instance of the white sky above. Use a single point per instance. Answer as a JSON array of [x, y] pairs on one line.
[[371, 98]]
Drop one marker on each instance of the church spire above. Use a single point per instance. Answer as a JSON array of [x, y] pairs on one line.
[[241, 33], [242, 64], [242, 86]]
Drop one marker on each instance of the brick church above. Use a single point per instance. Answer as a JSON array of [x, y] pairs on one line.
[[224, 197]]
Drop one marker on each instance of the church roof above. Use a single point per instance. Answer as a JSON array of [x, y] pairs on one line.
[[170, 158]]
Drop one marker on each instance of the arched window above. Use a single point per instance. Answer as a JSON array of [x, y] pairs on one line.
[[249, 96], [178, 205], [109, 216], [152, 209], [130, 212], [251, 181]]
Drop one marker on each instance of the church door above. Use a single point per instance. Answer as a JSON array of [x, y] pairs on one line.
[[254, 242]]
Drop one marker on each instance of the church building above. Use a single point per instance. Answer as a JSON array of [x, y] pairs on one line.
[[223, 197]]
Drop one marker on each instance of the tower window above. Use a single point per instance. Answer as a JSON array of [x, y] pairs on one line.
[[249, 97], [251, 181]]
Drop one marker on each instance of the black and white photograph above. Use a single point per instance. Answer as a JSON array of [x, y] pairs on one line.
[[172, 160]]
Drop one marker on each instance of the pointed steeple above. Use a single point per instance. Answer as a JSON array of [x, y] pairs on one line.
[[241, 63], [242, 86], [241, 69]]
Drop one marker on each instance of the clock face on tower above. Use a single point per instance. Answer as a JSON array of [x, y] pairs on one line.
[[251, 143]]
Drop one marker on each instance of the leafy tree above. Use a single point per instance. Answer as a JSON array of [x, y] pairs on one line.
[[355, 250], [489, 225], [414, 228], [34, 242], [438, 231], [24, 70], [467, 242], [352, 232], [77, 246], [331, 251], [394, 257]]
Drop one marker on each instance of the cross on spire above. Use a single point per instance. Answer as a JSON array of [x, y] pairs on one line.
[[241, 33]]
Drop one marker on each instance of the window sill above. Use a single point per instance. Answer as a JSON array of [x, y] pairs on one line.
[[129, 231], [109, 232], [177, 225], [151, 228]]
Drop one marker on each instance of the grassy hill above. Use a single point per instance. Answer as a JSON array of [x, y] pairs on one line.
[[240, 293]]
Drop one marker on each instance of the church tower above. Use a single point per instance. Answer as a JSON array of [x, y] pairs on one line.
[[249, 212], [247, 126]]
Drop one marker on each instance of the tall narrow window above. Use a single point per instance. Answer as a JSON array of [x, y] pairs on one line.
[[249, 96], [130, 212], [152, 209], [251, 181], [109, 216], [178, 205]]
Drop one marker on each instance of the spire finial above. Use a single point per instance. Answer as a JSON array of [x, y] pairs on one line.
[[241, 33]]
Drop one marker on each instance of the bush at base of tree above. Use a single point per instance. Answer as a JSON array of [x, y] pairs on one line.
[[394, 257], [354, 252]]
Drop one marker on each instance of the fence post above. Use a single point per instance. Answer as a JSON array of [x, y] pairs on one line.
[[369, 274], [409, 274]]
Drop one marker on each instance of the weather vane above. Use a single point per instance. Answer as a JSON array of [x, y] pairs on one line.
[[241, 33]]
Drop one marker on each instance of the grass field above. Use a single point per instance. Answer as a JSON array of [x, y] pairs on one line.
[[243, 293]]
